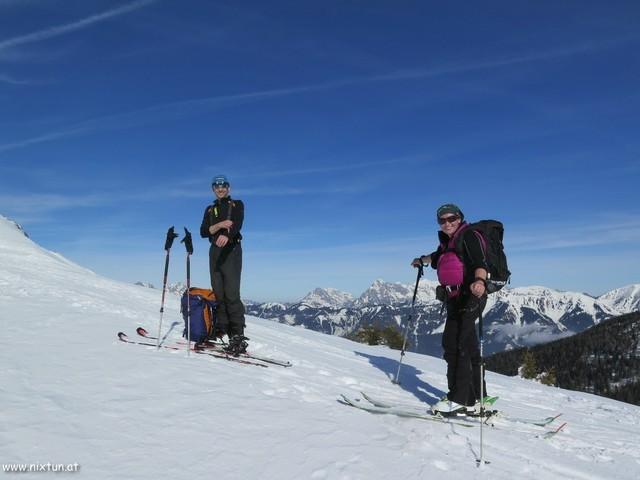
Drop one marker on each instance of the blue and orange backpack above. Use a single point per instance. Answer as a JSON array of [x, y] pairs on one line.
[[200, 314]]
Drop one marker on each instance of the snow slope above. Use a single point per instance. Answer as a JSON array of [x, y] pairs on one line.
[[71, 392], [623, 299]]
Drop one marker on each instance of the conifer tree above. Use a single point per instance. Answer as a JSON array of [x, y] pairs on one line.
[[369, 335], [529, 368], [393, 338], [549, 377]]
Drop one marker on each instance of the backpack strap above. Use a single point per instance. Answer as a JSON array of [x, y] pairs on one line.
[[458, 239], [481, 240], [231, 205], [212, 211]]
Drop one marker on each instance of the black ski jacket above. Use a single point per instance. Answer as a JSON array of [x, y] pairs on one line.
[[225, 209], [470, 252]]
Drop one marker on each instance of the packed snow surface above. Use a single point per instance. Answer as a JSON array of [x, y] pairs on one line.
[[72, 393]]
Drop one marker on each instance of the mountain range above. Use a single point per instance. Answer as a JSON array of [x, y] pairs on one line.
[[513, 318]]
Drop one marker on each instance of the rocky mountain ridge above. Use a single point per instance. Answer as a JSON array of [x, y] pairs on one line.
[[514, 317]]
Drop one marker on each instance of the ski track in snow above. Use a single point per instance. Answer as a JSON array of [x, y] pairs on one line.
[[71, 392]]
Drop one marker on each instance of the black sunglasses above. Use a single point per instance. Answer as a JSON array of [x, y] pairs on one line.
[[451, 219]]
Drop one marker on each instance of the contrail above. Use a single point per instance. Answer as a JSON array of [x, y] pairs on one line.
[[71, 27]]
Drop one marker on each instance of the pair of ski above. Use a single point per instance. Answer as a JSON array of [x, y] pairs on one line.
[[371, 404], [124, 338], [214, 350]]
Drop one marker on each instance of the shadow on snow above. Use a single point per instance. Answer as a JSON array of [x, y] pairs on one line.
[[409, 378]]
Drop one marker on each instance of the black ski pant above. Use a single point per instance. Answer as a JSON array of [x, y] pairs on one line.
[[225, 268], [461, 348]]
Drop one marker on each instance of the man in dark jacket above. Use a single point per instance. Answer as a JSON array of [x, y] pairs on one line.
[[221, 224], [462, 272]]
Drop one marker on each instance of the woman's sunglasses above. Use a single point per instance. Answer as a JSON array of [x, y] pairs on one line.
[[451, 219]]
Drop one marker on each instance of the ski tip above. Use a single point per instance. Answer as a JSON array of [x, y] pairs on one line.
[[553, 433], [122, 336], [141, 331], [347, 400], [367, 397]]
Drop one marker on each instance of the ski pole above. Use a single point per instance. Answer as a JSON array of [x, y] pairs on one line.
[[171, 235], [188, 244], [409, 321], [481, 461]]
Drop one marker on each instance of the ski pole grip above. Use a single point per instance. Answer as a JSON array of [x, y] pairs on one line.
[[171, 235], [188, 243]]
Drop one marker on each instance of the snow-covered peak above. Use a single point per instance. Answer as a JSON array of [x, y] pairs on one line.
[[626, 299], [8, 228], [19, 251], [13, 235], [553, 304], [327, 297], [177, 288], [386, 293]]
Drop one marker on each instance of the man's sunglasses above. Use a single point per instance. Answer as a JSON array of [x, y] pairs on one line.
[[451, 219], [220, 185]]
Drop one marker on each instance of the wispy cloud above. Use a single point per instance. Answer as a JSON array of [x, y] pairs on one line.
[[295, 191], [271, 191], [47, 137], [12, 3], [4, 78], [34, 204], [598, 231], [170, 111], [506, 60], [59, 30], [187, 108], [149, 115], [40, 203], [335, 168]]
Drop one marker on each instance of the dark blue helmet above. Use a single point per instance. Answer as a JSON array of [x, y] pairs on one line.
[[220, 180]]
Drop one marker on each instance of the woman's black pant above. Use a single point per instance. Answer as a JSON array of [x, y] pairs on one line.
[[461, 348]]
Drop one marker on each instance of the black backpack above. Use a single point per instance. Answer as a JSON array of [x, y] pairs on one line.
[[490, 233]]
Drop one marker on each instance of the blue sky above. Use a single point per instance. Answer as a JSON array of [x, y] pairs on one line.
[[342, 125]]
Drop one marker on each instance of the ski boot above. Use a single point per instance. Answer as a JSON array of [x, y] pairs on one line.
[[237, 345], [448, 408]]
